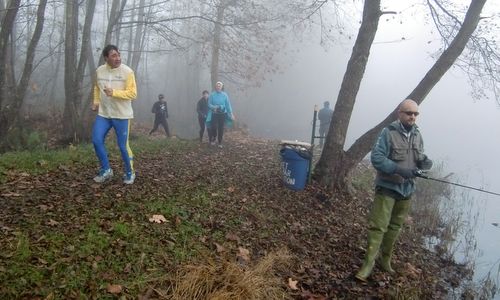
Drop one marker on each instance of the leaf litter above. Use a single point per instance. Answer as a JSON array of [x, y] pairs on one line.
[[243, 198]]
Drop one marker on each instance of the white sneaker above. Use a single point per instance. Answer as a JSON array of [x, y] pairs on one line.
[[103, 175], [219, 145], [129, 178]]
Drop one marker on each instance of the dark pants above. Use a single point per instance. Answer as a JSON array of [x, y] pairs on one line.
[[217, 127], [163, 122], [323, 130], [201, 121]]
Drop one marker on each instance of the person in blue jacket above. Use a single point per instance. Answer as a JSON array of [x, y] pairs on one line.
[[398, 156], [219, 114]]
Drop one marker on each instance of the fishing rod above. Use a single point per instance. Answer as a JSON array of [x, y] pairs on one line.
[[421, 174]]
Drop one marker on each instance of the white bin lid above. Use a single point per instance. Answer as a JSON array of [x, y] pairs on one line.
[[295, 143]]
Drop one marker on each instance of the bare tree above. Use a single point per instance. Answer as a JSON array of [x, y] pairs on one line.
[[74, 72], [5, 36], [336, 164], [480, 60], [9, 112]]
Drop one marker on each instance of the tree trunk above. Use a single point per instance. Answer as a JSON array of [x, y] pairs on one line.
[[70, 87], [131, 33], [86, 113], [5, 34], [30, 57], [333, 167], [85, 53], [216, 44], [2, 10], [361, 147], [138, 39]]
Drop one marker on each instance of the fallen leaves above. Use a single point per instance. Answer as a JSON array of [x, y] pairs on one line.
[[244, 212], [157, 219], [52, 222], [293, 284], [11, 194], [114, 289], [232, 237], [219, 248], [243, 254]]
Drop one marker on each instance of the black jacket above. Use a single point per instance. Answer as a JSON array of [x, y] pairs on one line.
[[160, 109], [202, 107]]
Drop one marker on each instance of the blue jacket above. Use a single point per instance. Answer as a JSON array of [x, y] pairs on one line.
[[218, 102], [397, 147]]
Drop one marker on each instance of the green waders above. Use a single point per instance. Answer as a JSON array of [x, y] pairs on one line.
[[385, 221]]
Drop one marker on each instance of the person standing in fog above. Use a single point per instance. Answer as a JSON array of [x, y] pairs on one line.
[[161, 114], [219, 113], [114, 91], [202, 110], [324, 117], [398, 156]]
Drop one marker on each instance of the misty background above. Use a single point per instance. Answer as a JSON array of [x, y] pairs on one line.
[[459, 131], [307, 69]]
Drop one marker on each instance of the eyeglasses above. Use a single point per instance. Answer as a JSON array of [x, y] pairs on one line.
[[410, 113]]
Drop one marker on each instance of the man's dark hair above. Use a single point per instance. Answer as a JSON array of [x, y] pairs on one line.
[[107, 49], [205, 92], [160, 96]]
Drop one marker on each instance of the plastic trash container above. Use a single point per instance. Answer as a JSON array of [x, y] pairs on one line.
[[295, 157]]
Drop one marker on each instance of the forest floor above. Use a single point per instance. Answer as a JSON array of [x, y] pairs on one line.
[[64, 236]]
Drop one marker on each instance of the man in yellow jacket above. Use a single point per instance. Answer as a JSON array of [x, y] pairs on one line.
[[114, 91]]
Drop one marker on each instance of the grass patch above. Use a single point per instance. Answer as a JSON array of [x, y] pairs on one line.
[[107, 247], [40, 161]]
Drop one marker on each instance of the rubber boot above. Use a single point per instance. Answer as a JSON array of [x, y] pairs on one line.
[[378, 222], [399, 213], [384, 261], [374, 241]]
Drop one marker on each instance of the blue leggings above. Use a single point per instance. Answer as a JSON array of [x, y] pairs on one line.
[[101, 128]]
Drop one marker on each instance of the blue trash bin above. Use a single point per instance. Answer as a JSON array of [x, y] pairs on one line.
[[295, 166]]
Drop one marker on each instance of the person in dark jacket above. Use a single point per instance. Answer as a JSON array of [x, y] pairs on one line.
[[161, 114], [398, 156], [202, 110], [324, 116]]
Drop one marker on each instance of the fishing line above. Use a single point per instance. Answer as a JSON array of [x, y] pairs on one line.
[[422, 175]]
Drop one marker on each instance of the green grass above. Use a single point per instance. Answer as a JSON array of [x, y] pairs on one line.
[[131, 253], [118, 246], [39, 161]]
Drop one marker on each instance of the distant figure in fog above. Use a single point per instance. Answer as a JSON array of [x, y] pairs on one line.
[[114, 91], [398, 156], [202, 110], [219, 113], [324, 116], [161, 114]]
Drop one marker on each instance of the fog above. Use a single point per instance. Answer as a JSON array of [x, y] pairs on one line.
[[461, 133], [458, 131]]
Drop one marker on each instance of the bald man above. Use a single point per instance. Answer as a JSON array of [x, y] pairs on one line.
[[398, 155]]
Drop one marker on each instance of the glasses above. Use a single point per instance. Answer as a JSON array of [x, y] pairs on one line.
[[410, 113]]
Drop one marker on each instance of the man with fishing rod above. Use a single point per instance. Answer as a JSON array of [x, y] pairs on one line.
[[398, 156]]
